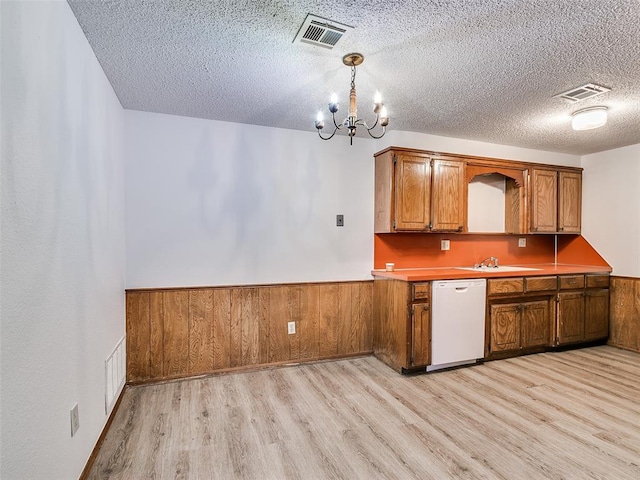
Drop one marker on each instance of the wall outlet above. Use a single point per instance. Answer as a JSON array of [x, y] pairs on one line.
[[291, 328], [75, 420], [522, 242], [339, 220], [445, 244]]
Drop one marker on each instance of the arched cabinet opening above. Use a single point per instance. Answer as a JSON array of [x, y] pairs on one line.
[[496, 199]]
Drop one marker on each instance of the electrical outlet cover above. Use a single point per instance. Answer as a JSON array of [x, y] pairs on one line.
[[522, 242], [291, 328], [75, 420], [445, 244]]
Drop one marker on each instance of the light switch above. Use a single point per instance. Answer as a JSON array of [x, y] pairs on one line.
[[522, 242], [445, 244]]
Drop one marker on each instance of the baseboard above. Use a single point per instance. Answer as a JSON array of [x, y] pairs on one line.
[[94, 453], [252, 368]]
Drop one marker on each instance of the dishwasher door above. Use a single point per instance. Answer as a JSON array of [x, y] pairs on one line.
[[457, 322]]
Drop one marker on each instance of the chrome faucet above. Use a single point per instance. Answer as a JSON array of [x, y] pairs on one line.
[[490, 262]]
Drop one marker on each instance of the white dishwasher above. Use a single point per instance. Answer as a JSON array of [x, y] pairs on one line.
[[457, 322]]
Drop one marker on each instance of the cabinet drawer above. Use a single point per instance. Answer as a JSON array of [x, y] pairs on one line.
[[421, 291], [500, 286], [570, 282], [540, 284], [594, 281]]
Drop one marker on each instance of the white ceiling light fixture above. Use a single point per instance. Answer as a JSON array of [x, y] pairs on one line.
[[352, 121], [589, 118]]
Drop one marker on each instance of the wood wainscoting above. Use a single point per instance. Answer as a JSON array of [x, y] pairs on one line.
[[182, 332], [624, 321]]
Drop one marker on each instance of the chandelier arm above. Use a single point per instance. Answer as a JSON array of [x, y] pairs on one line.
[[384, 130], [330, 136], [374, 125]]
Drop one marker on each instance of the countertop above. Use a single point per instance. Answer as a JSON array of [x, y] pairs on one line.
[[453, 273]]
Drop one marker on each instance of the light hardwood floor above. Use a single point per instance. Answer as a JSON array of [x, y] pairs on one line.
[[564, 415]]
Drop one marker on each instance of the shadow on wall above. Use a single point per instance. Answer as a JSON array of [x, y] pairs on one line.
[[253, 193]]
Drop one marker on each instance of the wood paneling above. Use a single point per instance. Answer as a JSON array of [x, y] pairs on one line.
[[624, 322], [200, 331], [138, 351], [175, 322], [176, 333]]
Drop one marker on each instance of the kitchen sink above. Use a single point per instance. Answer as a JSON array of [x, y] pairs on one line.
[[501, 268]]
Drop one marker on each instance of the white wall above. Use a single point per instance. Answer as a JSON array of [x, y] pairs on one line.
[[610, 213], [62, 264], [480, 149], [217, 203]]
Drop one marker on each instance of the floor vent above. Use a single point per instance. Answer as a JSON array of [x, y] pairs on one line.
[[114, 370], [582, 93], [321, 32]]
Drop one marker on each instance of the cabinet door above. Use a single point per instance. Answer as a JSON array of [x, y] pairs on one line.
[[448, 195], [412, 192], [535, 324], [596, 324], [569, 202], [570, 317], [544, 200], [505, 326], [420, 335]]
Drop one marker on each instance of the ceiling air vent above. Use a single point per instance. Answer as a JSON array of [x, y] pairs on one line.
[[582, 93], [320, 31]]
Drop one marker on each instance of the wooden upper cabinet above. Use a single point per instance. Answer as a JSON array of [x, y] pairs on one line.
[[421, 191], [556, 201], [412, 192], [544, 201], [448, 195], [403, 192], [569, 202]]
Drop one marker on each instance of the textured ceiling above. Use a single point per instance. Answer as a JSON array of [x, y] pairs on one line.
[[482, 70]]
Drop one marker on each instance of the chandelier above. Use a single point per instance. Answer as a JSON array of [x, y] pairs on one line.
[[352, 121]]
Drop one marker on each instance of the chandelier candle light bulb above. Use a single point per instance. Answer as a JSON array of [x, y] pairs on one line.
[[352, 121]]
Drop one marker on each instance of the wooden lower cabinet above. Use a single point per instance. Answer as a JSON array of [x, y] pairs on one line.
[[583, 315], [519, 325], [402, 324], [570, 317], [420, 335], [536, 323], [596, 320]]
